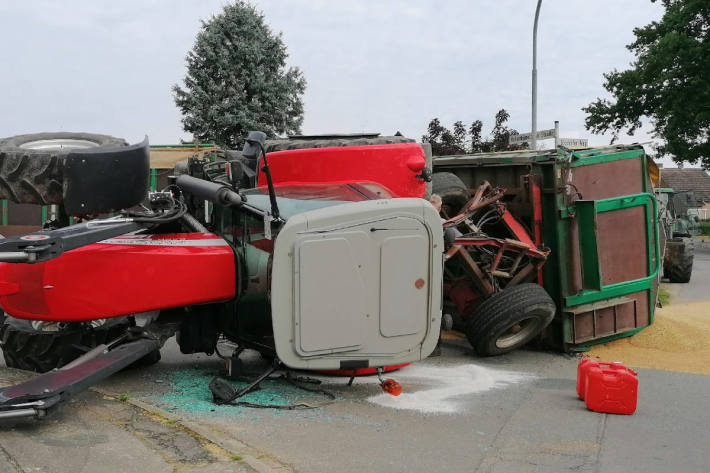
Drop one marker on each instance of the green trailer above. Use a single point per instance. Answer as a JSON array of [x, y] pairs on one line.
[[596, 211]]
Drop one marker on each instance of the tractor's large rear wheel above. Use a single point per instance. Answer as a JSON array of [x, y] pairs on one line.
[[26, 348], [85, 172], [509, 319], [678, 260]]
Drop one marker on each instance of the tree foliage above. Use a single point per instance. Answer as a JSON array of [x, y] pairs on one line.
[[237, 80], [668, 83], [460, 140]]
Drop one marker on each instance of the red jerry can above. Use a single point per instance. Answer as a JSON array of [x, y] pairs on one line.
[[611, 388], [584, 363]]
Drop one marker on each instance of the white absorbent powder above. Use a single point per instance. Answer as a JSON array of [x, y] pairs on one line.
[[444, 389]]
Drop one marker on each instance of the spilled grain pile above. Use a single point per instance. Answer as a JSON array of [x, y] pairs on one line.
[[679, 340]]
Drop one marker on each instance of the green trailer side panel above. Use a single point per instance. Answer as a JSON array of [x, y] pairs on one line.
[[586, 215], [594, 291]]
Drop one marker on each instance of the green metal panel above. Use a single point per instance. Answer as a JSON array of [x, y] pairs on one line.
[[4, 211], [586, 216], [611, 290], [559, 236], [626, 287], [44, 214], [581, 159], [153, 179]]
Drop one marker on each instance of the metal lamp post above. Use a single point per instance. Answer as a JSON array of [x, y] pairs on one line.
[[533, 140]]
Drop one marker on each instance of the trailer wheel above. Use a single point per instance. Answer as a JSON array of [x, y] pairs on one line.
[[678, 260], [509, 319], [453, 192], [28, 349], [86, 172]]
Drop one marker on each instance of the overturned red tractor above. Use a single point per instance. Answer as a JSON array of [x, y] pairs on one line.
[[319, 252], [316, 270]]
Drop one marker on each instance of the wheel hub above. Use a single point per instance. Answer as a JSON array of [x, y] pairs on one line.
[[59, 143], [517, 332]]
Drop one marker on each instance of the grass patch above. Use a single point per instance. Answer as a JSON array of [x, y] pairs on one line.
[[705, 227], [664, 297], [123, 397]]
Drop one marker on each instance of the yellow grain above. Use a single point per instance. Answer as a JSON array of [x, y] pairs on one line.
[[678, 340]]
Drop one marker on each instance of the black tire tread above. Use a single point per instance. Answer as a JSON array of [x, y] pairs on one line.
[[680, 270], [45, 351], [500, 309], [452, 190], [30, 176]]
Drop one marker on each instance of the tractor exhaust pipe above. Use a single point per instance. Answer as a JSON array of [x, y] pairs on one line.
[[219, 194]]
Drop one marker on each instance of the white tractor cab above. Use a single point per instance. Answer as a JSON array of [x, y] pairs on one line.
[[358, 285], [349, 279]]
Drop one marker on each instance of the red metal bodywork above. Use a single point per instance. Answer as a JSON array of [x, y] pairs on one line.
[[119, 276], [394, 166], [363, 371], [467, 292]]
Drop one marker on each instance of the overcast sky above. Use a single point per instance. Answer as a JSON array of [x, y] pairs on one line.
[[371, 66]]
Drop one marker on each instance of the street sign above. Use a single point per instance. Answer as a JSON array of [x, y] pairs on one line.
[[526, 137], [574, 142]]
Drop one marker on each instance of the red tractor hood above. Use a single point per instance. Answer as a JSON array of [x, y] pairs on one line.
[[119, 276]]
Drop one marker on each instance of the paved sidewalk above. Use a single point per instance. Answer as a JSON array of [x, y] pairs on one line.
[[98, 434]]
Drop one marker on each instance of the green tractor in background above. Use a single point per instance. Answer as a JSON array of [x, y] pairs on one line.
[[678, 228]]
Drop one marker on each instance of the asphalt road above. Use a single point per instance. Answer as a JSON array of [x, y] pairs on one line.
[[513, 413], [458, 413], [697, 289]]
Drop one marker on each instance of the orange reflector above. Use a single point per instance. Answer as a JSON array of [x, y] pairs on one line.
[[390, 386]]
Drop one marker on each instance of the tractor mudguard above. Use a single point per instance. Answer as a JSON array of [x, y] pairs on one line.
[[119, 276], [399, 167]]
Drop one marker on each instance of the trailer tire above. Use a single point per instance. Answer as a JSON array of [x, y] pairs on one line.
[[73, 169], [31, 350], [678, 260], [332, 142], [509, 319], [453, 192]]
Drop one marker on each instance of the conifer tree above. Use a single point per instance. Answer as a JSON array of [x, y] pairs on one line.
[[237, 80]]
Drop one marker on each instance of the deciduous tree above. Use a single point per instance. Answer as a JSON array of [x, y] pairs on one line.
[[460, 140], [668, 84]]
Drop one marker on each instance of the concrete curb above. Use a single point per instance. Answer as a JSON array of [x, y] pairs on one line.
[[259, 461]]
